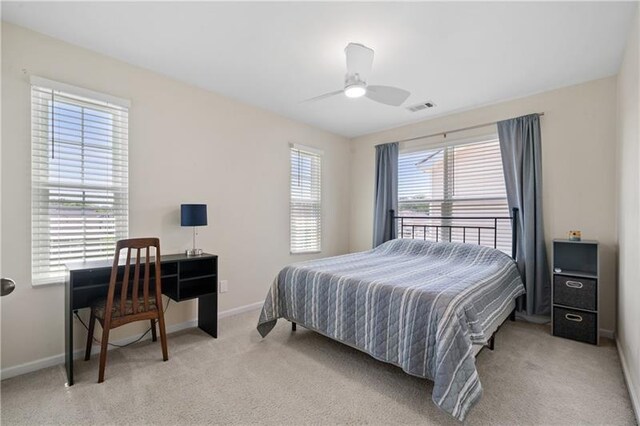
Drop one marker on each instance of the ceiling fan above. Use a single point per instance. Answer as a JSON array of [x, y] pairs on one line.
[[359, 63]]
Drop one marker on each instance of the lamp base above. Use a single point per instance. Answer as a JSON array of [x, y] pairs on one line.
[[193, 252]]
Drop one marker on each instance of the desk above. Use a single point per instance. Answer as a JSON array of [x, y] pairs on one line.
[[183, 278]]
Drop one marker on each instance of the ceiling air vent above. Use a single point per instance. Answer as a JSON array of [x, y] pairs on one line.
[[421, 106]]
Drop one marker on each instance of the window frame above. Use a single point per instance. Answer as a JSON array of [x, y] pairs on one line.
[[446, 204], [44, 191], [320, 155]]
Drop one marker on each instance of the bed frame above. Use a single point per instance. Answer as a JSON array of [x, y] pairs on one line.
[[471, 234]]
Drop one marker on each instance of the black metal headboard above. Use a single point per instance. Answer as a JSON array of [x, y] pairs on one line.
[[474, 231]]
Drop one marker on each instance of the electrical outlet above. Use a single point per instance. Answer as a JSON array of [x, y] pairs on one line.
[[224, 286]]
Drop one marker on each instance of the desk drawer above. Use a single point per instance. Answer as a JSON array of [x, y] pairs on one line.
[[196, 268], [581, 293], [575, 325], [196, 287]]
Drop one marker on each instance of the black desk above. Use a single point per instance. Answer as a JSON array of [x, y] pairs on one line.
[[183, 278]]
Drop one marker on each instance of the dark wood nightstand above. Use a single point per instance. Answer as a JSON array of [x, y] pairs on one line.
[[575, 290]]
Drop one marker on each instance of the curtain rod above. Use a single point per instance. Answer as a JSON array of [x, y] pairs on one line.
[[477, 126]]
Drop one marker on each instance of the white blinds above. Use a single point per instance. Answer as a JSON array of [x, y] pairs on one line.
[[305, 204], [79, 175], [460, 181]]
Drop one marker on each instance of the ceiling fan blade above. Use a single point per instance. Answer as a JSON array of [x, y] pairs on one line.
[[387, 95], [359, 60], [326, 95]]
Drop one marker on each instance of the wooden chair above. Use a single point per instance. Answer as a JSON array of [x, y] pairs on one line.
[[124, 305]]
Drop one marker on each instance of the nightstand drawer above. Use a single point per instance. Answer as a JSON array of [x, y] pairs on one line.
[[581, 293], [576, 325]]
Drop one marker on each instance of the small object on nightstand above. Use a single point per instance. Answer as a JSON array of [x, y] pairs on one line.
[[193, 215], [575, 235], [557, 270]]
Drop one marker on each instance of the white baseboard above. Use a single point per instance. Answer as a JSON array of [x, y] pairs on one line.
[[240, 310], [39, 364], [609, 334], [28, 367], [635, 398]]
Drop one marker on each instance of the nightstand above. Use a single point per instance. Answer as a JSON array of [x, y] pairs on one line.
[[575, 290]]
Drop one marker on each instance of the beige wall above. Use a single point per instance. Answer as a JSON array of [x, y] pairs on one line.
[[202, 147], [578, 167], [629, 213], [186, 145]]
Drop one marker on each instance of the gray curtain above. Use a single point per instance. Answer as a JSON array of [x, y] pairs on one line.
[[520, 145], [386, 192]]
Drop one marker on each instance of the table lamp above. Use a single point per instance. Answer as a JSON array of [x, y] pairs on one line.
[[193, 215]]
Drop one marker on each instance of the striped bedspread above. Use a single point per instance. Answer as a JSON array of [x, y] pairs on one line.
[[417, 304]]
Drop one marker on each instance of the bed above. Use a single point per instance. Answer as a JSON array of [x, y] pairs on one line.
[[425, 306]]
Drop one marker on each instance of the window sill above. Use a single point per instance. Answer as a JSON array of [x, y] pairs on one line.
[[46, 282]]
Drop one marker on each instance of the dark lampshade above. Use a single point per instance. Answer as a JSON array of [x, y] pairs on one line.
[[193, 215]]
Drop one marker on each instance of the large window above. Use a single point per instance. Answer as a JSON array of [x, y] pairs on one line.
[[460, 181], [306, 200], [79, 172]]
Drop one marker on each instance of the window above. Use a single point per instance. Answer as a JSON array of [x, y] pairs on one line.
[[461, 181], [79, 177], [306, 204]]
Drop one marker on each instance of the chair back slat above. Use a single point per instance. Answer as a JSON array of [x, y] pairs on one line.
[[125, 280], [136, 281], [145, 287], [158, 273], [133, 297]]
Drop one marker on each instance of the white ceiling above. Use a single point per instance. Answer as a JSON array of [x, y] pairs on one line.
[[273, 55]]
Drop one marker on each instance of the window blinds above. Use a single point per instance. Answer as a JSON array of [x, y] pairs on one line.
[[461, 181], [79, 170], [305, 202]]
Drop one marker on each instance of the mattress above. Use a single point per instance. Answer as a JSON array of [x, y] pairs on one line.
[[500, 319], [420, 305]]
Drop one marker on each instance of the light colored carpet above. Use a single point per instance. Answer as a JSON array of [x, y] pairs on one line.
[[303, 378]]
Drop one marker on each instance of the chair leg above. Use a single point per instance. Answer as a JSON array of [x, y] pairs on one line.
[[154, 336], [103, 351], [92, 326], [163, 336]]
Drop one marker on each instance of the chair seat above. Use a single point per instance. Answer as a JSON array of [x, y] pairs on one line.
[[100, 306]]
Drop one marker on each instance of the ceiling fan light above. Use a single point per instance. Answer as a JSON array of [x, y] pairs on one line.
[[355, 91]]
